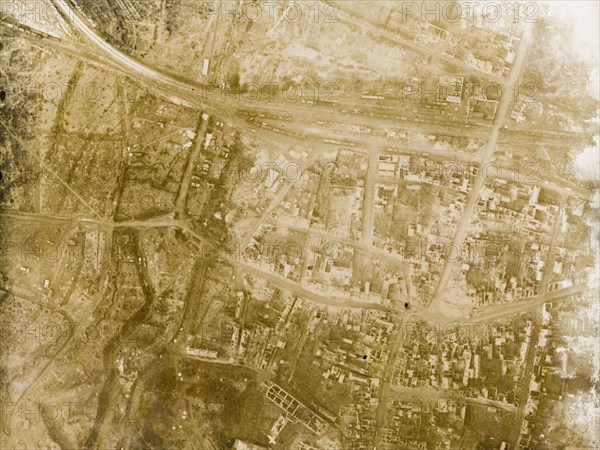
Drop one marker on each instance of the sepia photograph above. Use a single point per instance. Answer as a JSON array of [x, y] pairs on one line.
[[299, 224]]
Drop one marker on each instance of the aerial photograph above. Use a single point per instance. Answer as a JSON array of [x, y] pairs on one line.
[[299, 225]]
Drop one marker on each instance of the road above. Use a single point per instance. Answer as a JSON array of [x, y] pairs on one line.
[[71, 15], [549, 263], [427, 394], [51, 171], [368, 212], [21, 294], [216, 101], [283, 191], [479, 182], [497, 312], [387, 34], [525, 388], [500, 312], [306, 112], [546, 181], [273, 278], [189, 168], [219, 361], [130, 63], [305, 117], [298, 290], [387, 378], [51, 219], [369, 249]]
